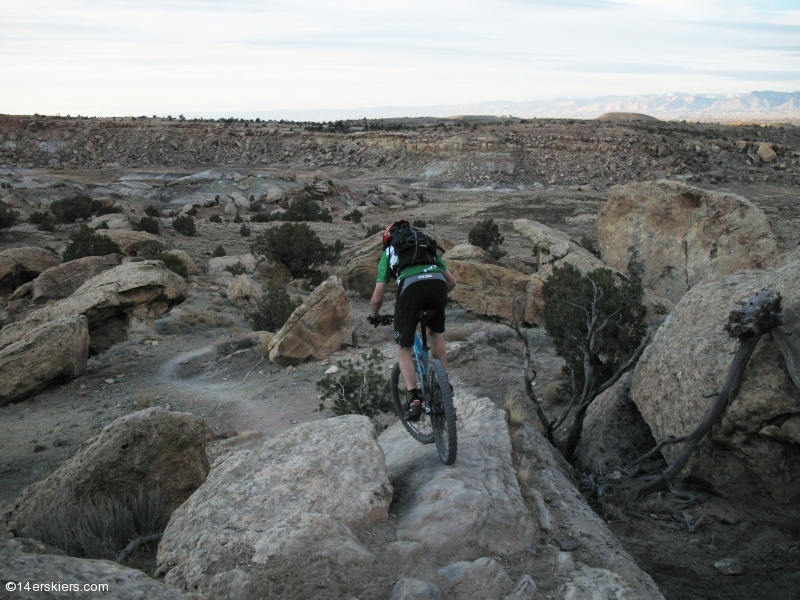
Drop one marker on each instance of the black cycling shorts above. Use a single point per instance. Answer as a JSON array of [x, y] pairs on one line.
[[419, 296]]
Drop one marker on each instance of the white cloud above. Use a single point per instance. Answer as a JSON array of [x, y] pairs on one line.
[[116, 58]]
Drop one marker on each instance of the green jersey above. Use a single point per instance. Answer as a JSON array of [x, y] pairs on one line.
[[385, 271]]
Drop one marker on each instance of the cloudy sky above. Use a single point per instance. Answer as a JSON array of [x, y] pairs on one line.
[[220, 57]]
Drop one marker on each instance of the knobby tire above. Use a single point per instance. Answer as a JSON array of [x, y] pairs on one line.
[[422, 430], [443, 412]]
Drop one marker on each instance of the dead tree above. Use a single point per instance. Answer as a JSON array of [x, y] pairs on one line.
[[597, 319], [747, 324]]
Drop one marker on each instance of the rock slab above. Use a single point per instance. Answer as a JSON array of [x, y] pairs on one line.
[[63, 280], [300, 493], [21, 265], [475, 502]]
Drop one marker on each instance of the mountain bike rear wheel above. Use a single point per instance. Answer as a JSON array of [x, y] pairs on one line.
[[443, 412], [421, 430]]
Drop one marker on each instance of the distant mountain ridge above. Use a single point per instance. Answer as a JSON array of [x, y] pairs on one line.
[[754, 105]]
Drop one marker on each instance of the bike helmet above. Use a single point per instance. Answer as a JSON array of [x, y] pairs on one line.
[[389, 232]]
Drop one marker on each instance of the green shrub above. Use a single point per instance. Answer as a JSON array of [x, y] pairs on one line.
[[237, 268], [244, 230], [260, 218], [8, 217], [173, 263], [101, 225], [44, 221], [184, 225], [372, 230], [305, 208], [80, 207], [192, 212], [150, 249], [85, 242], [70, 209], [218, 251], [237, 219], [152, 211], [215, 218], [295, 246], [148, 224], [419, 223], [360, 387], [486, 235], [274, 310], [354, 216]]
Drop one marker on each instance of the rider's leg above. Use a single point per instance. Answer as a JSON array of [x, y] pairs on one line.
[[438, 349], [405, 357]]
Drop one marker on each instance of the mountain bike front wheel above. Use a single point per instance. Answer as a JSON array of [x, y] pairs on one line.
[[421, 430], [443, 412]]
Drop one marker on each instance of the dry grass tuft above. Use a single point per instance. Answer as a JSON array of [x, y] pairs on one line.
[[99, 526], [514, 408], [144, 400]]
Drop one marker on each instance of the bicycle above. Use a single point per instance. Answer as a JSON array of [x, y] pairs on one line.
[[437, 423]]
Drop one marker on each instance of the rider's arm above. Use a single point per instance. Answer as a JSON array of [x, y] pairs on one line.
[[451, 280], [377, 299]]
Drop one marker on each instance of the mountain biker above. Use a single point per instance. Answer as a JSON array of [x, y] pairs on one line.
[[420, 287]]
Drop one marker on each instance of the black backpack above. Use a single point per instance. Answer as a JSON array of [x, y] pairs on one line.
[[411, 246]]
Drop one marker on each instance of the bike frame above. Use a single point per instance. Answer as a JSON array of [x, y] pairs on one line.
[[420, 352]]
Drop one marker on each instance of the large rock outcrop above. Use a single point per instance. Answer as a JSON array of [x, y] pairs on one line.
[[298, 495], [756, 446], [26, 561], [153, 448], [676, 236], [63, 280], [33, 358], [221, 264], [139, 290], [23, 264], [317, 328]]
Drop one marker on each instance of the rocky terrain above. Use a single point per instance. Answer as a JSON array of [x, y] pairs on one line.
[[104, 358]]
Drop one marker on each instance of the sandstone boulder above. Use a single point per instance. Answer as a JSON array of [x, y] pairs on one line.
[[614, 432], [112, 220], [676, 236], [153, 448], [128, 240], [765, 152], [489, 290], [296, 496], [62, 280], [469, 253], [35, 356], [244, 293], [477, 580], [26, 561], [756, 447], [220, 264], [23, 264], [268, 272], [140, 290], [316, 328]]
